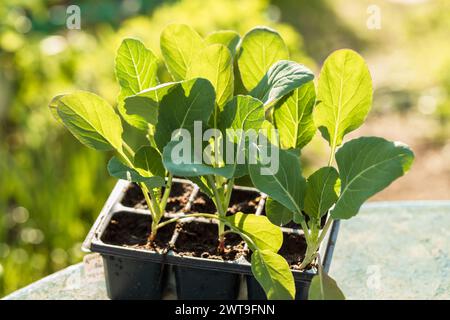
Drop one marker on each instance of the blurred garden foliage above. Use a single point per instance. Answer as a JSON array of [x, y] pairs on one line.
[[51, 187]]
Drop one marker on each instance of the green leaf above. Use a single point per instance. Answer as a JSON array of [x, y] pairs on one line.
[[243, 112], [261, 47], [228, 38], [148, 162], [293, 118], [321, 192], [344, 95], [215, 64], [90, 119], [145, 104], [366, 166], [277, 213], [264, 235], [192, 165], [241, 117], [53, 105], [324, 288], [283, 77], [273, 274], [120, 171], [179, 45], [285, 184], [188, 101], [136, 70]]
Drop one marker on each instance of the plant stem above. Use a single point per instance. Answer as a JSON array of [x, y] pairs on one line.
[[128, 149], [162, 204], [230, 186], [192, 215], [312, 247], [330, 159], [220, 210], [305, 231]]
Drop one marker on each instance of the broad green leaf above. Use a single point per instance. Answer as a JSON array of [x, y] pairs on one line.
[[145, 104], [283, 77], [273, 274], [240, 121], [188, 101], [321, 192], [293, 118], [283, 183], [344, 95], [366, 166], [324, 288], [136, 70], [181, 159], [179, 45], [260, 48], [53, 105], [120, 171], [264, 234], [90, 119], [277, 213], [243, 112], [148, 162], [228, 38], [215, 64]]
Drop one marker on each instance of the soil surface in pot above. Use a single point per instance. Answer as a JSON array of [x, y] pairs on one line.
[[293, 249], [132, 230], [240, 201], [198, 239], [179, 197]]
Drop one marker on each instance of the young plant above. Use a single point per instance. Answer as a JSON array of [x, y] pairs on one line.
[[365, 165], [93, 121], [202, 93], [204, 98]]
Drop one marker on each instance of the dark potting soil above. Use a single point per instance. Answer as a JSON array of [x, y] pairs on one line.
[[179, 197], [132, 230], [197, 239], [293, 249], [240, 201]]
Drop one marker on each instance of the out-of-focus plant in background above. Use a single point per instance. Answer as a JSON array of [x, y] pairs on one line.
[[52, 188]]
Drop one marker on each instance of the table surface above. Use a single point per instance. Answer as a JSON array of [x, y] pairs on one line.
[[390, 250]]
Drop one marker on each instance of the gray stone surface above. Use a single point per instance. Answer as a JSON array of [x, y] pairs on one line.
[[392, 250]]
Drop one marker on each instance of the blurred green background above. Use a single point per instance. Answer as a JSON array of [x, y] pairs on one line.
[[52, 188]]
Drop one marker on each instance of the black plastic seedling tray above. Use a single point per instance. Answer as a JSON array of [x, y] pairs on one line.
[[132, 273]]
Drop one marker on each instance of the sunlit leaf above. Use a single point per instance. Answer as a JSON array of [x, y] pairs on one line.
[[344, 95], [179, 45], [90, 119], [136, 70], [215, 64], [293, 118], [228, 38], [261, 47], [273, 274], [264, 234]]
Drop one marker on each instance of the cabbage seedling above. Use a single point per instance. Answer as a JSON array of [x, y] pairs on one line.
[[364, 166]]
